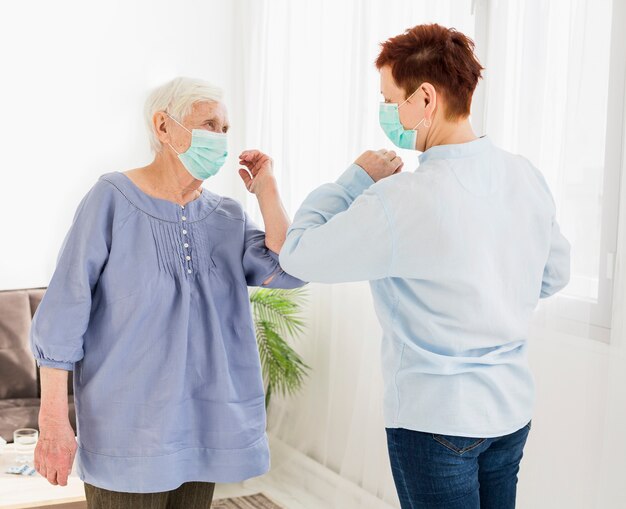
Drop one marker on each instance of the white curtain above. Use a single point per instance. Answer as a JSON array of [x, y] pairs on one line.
[[547, 96], [311, 94]]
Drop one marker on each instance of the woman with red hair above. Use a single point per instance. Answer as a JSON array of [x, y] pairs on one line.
[[458, 253]]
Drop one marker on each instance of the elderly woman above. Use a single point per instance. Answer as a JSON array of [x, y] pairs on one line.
[[458, 253], [149, 306]]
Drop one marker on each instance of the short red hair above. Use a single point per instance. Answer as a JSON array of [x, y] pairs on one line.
[[438, 55]]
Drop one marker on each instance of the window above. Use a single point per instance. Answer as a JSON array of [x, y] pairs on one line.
[[554, 92]]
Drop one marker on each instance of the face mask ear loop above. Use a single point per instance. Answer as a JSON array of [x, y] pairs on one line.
[[409, 97], [181, 125], [427, 124]]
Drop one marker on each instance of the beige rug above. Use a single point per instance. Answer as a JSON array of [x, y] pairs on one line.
[[258, 501]]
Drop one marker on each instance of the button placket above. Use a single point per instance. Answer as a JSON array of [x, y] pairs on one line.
[[185, 237]]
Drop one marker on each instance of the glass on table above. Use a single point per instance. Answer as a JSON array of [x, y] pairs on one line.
[[25, 440]]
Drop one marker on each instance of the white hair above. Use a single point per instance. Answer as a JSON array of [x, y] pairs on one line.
[[177, 97]]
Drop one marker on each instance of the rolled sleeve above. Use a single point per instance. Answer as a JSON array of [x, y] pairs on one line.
[[46, 363], [261, 264]]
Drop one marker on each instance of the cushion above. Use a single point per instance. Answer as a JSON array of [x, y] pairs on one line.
[[35, 295], [18, 374]]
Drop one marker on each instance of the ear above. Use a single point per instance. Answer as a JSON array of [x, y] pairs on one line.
[[430, 100], [159, 121]]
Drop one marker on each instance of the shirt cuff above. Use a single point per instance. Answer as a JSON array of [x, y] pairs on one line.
[[355, 180], [47, 363], [272, 254]]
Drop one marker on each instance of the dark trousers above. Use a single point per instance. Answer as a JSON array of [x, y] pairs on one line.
[[447, 472], [190, 495]]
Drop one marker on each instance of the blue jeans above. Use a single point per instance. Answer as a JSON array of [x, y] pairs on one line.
[[446, 472]]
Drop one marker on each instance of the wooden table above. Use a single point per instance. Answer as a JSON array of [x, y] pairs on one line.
[[21, 492]]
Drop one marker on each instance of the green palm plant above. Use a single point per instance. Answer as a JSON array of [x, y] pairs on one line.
[[277, 317]]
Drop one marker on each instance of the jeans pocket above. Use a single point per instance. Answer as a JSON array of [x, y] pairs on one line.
[[459, 445]]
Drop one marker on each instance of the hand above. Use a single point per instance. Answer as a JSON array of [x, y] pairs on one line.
[[380, 164], [55, 451], [259, 176]]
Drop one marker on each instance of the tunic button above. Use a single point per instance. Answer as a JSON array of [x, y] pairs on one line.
[[184, 218], [188, 271], [186, 245], [188, 257], [184, 232]]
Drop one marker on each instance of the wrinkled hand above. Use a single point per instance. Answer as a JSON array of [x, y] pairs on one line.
[[259, 175], [380, 164], [55, 451]]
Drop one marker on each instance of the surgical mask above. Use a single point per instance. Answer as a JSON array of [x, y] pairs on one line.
[[389, 118], [206, 154]]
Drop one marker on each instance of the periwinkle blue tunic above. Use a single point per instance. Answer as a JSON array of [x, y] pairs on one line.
[[149, 305]]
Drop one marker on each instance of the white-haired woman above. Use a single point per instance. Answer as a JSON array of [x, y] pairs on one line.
[[148, 305]]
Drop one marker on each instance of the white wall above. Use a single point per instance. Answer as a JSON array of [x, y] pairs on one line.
[[74, 78], [563, 460]]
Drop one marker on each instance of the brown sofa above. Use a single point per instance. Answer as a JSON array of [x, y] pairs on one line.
[[19, 374]]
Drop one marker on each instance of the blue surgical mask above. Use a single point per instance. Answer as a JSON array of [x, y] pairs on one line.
[[206, 154], [389, 118]]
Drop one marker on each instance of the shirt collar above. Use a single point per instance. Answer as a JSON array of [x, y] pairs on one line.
[[456, 150], [164, 210]]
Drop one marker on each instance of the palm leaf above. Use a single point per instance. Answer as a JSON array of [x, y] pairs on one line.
[[280, 307], [277, 317]]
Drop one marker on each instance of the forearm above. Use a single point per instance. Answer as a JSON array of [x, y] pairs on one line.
[[56, 447], [54, 401], [341, 233], [275, 218]]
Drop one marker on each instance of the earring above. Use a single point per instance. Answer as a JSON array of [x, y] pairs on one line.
[[427, 123]]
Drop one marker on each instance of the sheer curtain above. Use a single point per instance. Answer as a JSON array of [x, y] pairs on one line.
[[547, 96], [311, 95], [555, 93]]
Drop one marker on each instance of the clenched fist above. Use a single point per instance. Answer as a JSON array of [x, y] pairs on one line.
[[380, 164]]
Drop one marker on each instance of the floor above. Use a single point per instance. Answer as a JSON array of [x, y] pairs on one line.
[[298, 482]]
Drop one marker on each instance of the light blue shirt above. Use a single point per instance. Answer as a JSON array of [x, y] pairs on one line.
[[458, 254], [149, 306]]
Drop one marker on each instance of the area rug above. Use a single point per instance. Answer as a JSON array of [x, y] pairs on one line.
[[258, 501]]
